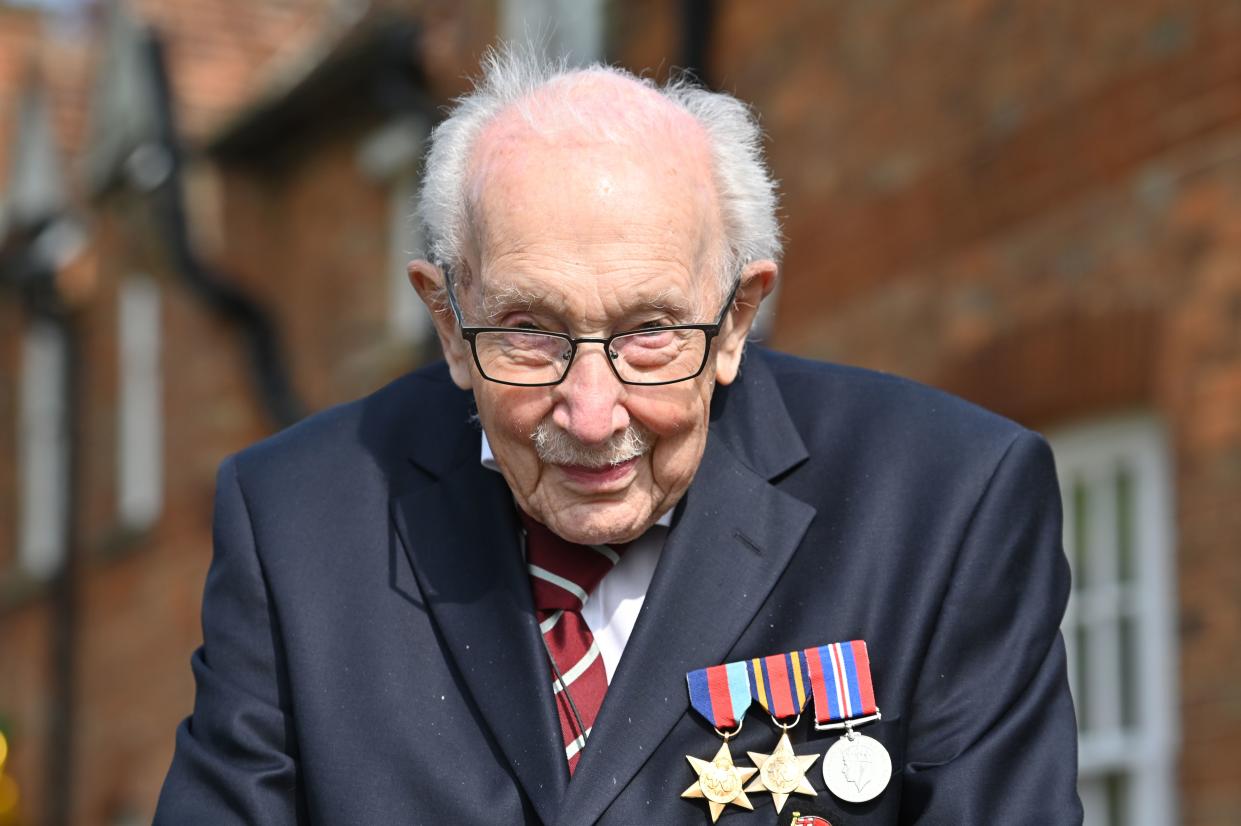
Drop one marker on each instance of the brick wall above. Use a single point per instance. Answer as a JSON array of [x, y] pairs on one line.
[[19, 34], [1037, 206], [310, 241], [140, 592], [10, 367], [25, 633]]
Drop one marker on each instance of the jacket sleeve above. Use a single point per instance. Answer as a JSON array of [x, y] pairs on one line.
[[235, 761], [992, 735]]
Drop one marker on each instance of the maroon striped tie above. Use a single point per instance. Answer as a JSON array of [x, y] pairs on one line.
[[562, 575]]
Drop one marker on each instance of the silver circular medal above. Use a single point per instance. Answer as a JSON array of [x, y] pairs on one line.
[[857, 768]]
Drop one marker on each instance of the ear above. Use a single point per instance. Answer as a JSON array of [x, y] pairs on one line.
[[429, 281], [758, 279]]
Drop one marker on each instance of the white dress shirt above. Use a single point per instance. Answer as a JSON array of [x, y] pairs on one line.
[[612, 608]]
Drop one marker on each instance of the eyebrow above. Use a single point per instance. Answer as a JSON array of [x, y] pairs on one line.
[[663, 301], [508, 298]]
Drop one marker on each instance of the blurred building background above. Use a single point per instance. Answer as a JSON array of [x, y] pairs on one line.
[[205, 211]]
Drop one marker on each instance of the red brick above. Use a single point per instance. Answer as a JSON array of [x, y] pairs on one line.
[[1035, 205]]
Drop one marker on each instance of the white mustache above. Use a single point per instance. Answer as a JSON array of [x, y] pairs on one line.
[[555, 447]]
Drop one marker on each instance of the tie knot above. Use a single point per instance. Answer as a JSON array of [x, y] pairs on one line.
[[563, 573]]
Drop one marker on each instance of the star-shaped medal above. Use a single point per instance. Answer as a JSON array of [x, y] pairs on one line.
[[782, 772], [720, 782]]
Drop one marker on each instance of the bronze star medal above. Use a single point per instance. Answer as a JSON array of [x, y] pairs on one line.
[[721, 695], [720, 782], [781, 685], [782, 772]]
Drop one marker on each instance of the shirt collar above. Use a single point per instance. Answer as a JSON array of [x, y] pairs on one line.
[[488, 460]]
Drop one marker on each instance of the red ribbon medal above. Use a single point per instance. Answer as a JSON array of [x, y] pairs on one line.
[[721, 694], [781, 684], [856, 768]]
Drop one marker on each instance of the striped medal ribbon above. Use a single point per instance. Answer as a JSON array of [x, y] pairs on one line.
[[721, 694], [856, 768], [780, 683]]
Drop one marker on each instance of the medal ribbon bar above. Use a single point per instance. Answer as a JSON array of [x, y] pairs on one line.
[[840, 680], [721, 694], [780, 683]]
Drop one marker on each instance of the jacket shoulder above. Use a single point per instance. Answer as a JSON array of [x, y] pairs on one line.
[[868, 399], [863, 422]]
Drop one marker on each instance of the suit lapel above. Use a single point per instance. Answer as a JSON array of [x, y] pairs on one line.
[[460, 533], [733, 539]]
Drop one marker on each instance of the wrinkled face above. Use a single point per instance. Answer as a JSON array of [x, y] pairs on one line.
[[590, 240]]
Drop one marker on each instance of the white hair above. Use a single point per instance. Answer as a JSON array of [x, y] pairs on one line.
[[556, 447], [511, 76]]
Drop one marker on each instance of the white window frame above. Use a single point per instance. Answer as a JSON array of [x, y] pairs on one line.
[[408, 319], [1090, 458], [140, 419], [43, 450], [390, 156], [570, 29]]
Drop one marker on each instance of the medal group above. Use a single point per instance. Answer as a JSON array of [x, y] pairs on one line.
[[856, 768]]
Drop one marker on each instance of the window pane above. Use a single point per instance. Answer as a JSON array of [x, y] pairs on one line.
[[1117, 797], [140, 431], [407, 315], [1081, 530], [43, 450], [1093, 792], [1105, 677], [1124, 524], [1119, 626], [573, 29], [1082, 700], [1129, 670]]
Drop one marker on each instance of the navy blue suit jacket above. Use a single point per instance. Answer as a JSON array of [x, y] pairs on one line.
[[371, 655]]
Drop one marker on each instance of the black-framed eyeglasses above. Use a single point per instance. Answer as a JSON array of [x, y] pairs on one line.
[[647, 356]]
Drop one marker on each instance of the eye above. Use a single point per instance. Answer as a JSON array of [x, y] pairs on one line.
[[524, 322], [654, 336], [653, 324]]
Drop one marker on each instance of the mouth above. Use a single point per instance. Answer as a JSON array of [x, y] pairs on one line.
[[597, 469], [600, 479]]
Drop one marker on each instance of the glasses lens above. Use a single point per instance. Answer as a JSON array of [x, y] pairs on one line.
[[659, 355], [521, 356]]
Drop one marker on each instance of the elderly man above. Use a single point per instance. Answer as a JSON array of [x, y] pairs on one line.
[[414, 619]]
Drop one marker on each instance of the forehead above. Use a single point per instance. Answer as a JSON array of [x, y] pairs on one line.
[[578, 210]]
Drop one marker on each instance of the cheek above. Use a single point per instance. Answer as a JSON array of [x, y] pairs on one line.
[[510, 416], [670, 414], [669, 419], [681, 427]]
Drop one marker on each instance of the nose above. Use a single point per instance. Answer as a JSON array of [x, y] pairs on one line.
[[588, 404]]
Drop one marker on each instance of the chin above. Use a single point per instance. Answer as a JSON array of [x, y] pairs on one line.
[[599, 523]]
